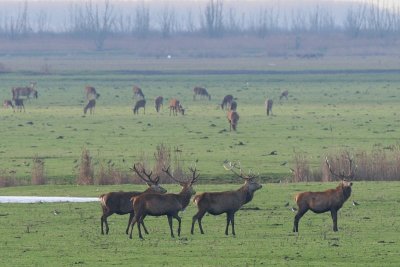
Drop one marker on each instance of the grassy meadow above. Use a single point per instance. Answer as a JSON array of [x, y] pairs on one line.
[[32, 235], [327, 111]]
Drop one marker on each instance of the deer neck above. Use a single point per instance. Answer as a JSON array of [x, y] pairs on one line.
[[345, 192], [246, 194], [184, 197]]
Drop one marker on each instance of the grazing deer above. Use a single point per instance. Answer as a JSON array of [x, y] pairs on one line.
[[27, 91], [233, 106], [120, 202], [175, 107], [284, 94], [330, 200], [91, 93], [226, 101], [90, 106], [139, 104], [228, 202], [268, 106], [201, 92], [8, 104], [159, 102], [167, 204], [137, 92], [19, 104], [233, 119]]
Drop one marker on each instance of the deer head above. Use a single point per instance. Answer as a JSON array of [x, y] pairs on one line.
[[342, 176], [250, 179]]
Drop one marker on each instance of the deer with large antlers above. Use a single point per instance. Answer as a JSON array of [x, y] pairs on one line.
[[228, 202], [120, 202], [330, 200], [167, 204], [27, 91]]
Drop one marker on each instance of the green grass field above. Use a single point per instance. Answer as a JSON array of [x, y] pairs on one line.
[[368, 233], [326, 112]]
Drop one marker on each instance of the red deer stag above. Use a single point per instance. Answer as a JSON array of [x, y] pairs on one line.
[[330, 200], [91, 93], [228, 202], [268, 106], [8, 104], [200, 91], [120, 202], [159, 102], [284, 94], [27, 91], [226, 101], [19, 104], [90, 106], [175, 107], [137, 92], [139, 104], [233, 119], [167, 204]]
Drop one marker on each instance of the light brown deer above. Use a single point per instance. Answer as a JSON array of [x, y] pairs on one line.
[[233, 119], [167, 204], [139, 104], [228, 202], [91, 93], [175, 107], [137, 92], [27, 91], [226, 101], [90, 106], [200, 91], [159, 102], [120, 202], [330, 200]]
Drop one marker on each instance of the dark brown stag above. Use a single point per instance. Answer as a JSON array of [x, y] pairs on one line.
[[200, 91], [27, 91], [233, 119], [90, 106], [139, 104], [268, 106], [330, 200], [175, 107], [159, 102], [228, 202], [284, 94], [91, 93], [120, 202], [226, 101], [137, 92], [167, 204]]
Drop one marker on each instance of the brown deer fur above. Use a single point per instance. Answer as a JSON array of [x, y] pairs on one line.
[[19, 104], [167, 204], [201, 92], [268, 106], [284, 94], [319, 202], [137, 92], [159, 101], [175, 107], [90, 106], [233, 119], [120, 202], [226, 101], [24, 91], [227, 202], [139, 104], [8, 104], [91, 93]]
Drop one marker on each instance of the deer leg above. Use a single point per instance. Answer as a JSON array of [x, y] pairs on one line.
[[334, 219], [144, 227], [198, 216], [233, 223], [297, 218], [179, 223], [140, 222], [131, 215], [170, 225], [228, 219], [132, 224]]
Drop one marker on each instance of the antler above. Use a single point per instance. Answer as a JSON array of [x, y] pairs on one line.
[[170, 175], [342, 175], [192, 181], [149, 180], [231, 167], [194, 178]]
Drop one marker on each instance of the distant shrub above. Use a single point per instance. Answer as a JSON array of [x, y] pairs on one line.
[[86, 172], [37, 173]]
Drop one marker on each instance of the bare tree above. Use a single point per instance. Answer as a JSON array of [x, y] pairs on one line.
[[213, 15], [355, 20], [167, 21], [142, 20]]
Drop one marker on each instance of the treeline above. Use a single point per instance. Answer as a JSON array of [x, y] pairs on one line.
[[99, 21]]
